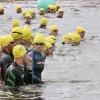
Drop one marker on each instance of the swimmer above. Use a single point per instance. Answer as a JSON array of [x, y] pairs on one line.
[[15, 75], [51, 41], [38, 56], [18, 9], [43, 22], [1, 10], [48, 50], [32, 12], [6, 57], [76, 38], [53, 30], [60, 13], [57, 7], [80, 30], [15, 23], [17, 35], [66, 39], [41, 11], [26, 38], [28, 18]]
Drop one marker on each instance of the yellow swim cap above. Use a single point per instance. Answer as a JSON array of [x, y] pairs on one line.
[[26, 34], [53, 27], [40, 34], [57, 5], [43, 21], [31, 11], [24, 13], [79, 29], [17, 7], [28, 15], [64, 38], [50, 40], [53, 37], [1, 8], [67, 36], [19, 51], [60, 10], [15, 23], [17, 33], [70, 35], [5, 40], [54, 7], [47, 45], [41, 9], [49, 6], [39, 39], [76, 38], [27, 26]]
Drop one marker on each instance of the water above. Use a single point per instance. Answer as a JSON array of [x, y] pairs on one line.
[[72, 73]]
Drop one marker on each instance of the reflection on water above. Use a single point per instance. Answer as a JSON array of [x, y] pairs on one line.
[[71, 73]]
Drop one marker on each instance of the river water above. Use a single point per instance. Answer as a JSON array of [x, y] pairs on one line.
[[72, 73]]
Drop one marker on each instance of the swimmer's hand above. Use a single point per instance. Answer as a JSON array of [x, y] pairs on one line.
[[29, 62]]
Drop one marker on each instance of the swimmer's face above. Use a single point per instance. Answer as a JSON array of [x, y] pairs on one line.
[[28, 20], [82, 34], [39, 47], [54, 32], [19, 10], [69, 41], [49, 51], [10, 46], [2, 11], [27, 42], [33, 15], [53, 11], [60, 14], [48, 10], [41, 12]]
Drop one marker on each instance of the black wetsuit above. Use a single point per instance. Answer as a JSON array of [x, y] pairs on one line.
[[5, 60], [35, 79], [38, 62], [15, 76]]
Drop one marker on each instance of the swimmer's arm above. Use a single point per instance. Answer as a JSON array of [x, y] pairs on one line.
[[37, 80], [10, 77]]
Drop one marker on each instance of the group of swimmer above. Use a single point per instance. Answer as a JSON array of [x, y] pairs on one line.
[[22, 55]]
